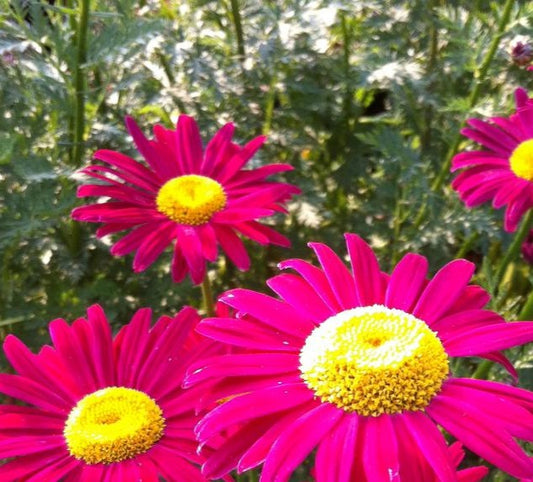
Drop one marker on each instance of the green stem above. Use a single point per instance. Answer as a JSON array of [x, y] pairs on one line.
[[467, 244], [207, 295], [513, 250], [479, 77], [482, 371], [527, 310], [237, 24], [79, 83], [269, 105]]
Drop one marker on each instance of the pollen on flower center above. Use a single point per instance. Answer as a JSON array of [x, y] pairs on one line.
[[191, 199], [374, 360], [113, 424], [521, 160]]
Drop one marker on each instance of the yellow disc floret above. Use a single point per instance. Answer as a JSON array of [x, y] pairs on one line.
[[191, 199], [113, 424], [521, 160], [374, 360]]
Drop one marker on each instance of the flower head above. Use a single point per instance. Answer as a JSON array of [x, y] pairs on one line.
[[197, 198], [521, 50], [503, 171], [357, 365], [103, 408]]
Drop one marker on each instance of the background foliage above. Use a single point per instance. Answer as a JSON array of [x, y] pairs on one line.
[[365, 99]]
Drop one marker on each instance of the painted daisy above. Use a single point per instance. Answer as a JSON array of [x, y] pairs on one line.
[[199, 199], [503, 171], [356, 364], [103, 409]]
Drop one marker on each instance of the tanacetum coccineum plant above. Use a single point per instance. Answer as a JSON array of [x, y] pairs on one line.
[[357, 365], [198, 198], [103, 409], [503, 171]]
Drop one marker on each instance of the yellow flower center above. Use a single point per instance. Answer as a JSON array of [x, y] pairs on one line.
[[521, 160], [374, 360], [113, 424], [191, 199]]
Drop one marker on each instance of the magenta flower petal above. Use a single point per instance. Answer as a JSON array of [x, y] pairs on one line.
[[501, 172], [431, 444], [406, 282], [476, 431], [191, 247], [189, 145], [370, 288], [239, 159], [152, 245], [274, 426], [447, 286], [249, 406], [296, 292], [365, 398], [195, 199], [307, 430], [217, 149], [338, 444], [316, 279], [381, 464], [341, 281], [233, 247], [261, 307], [52, 441], [494, 337], [240, 365]]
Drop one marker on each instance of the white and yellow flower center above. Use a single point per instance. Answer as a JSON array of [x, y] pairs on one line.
[[191, 199], [374, 360], [521, 160], [113, 424]]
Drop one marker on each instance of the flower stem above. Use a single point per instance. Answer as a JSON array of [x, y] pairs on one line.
[[207, 296], [467, 244], [479, 77], [527, 311], [237, 24], [513, 250], [482, 371], [79, 83]]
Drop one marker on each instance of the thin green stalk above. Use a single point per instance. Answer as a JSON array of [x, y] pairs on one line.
[[527, 310], [79, 83], [483, 370], [433, 51], [467, 244], [207, 295], [479, 78], [269, 105], [513, 250], [237, 24]]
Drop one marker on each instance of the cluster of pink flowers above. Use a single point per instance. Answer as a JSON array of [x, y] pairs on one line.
[[347, 366]]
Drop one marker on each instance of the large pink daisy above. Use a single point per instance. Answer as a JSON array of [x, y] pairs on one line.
[[198, 198], [357, 365], [503, 171], [103, 409]]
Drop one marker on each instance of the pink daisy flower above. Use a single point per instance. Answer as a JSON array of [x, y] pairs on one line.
[[103, 409], [199, 199], [503, 171], [357, 365]]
